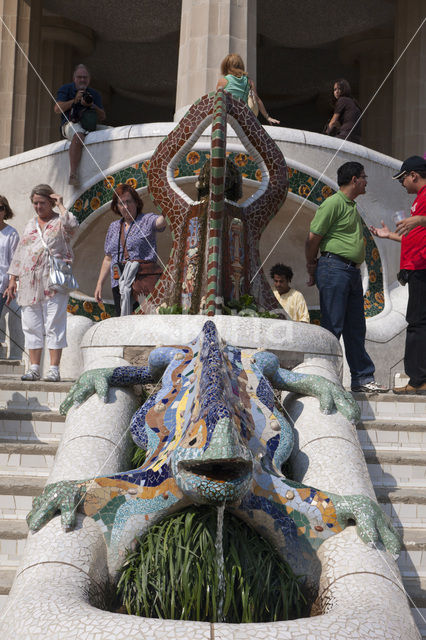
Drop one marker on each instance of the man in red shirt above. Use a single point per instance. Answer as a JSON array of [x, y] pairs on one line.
[[411, 232]]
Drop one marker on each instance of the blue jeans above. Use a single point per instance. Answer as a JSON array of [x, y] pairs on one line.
[[342, 313]]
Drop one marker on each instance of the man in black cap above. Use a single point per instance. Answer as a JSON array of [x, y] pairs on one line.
[[411, 233]]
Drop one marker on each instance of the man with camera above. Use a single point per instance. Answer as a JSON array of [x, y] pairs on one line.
[[81, 109]]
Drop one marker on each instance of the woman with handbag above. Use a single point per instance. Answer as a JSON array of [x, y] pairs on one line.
[[236, 81], [130, 251], [41, 264]]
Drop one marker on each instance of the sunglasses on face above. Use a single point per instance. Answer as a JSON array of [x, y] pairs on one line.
[[2, 207]]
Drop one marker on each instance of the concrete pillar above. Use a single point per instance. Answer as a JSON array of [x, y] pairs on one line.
[[409, 98], [374, 54], [17, 80], [64, 43], [375, 62], [210, 29]]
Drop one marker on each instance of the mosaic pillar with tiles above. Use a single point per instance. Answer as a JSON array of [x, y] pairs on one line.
[[217, 267]]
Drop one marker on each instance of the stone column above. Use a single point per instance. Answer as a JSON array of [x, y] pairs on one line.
[[375, 64], [210, 29], [62, 41], [409, 97], [374, 54], [17, 80]]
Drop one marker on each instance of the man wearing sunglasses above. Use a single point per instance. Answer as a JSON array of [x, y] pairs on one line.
[[336, 232], [411, 233]]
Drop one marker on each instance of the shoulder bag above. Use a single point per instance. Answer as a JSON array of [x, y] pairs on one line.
[[61, 277], [148, 272], [252, 103]]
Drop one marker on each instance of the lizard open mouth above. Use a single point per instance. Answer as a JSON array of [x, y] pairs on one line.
[[218, 470]]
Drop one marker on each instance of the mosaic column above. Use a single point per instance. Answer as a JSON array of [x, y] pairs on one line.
[[18, 83], [409, 97], [210, 29]]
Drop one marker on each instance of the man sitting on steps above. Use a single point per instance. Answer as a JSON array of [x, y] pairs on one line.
[[81, 109]]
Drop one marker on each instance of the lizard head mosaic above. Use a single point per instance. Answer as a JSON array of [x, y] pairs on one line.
[[212, 434]]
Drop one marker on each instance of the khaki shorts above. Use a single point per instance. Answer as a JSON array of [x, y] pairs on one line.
[[69, 129]]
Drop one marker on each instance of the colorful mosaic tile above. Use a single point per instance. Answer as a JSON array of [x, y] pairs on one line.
[[96, 311], [210, 436], [232, 250]]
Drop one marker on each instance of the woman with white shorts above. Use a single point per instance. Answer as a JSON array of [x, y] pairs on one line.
[[44, 311]]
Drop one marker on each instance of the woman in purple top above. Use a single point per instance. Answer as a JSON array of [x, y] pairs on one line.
[[347, 113], [130, 239]]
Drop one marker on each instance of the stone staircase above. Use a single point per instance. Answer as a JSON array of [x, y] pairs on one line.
[[30, 431], [393, 436]]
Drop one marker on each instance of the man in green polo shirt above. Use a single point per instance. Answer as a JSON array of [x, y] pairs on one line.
[[336, 231]]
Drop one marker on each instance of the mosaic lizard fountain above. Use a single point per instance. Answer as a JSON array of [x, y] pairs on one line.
[[212, 434]]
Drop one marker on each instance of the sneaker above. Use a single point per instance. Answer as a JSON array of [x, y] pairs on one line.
[[73, 180], [410, 390], [52, 376], [31, 376], [370, 387]]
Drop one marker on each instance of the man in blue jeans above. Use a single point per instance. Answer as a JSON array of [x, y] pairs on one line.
[[336, 231]]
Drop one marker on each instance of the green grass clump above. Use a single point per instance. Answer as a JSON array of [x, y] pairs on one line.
[[172, 573], [138, 457]]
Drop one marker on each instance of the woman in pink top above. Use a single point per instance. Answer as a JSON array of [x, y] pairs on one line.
[[44, 310]]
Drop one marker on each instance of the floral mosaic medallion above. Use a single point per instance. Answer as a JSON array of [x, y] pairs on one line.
[[89, 309], [300, 183]]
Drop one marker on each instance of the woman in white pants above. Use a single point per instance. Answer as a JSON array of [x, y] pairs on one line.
[[44, 311]]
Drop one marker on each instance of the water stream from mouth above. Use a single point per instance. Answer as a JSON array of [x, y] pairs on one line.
[[220, 563]]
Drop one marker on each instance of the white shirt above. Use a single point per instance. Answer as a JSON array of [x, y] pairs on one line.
[[9, 239]]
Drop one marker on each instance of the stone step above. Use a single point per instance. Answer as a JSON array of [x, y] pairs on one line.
[[19, 455], [416, 591], [31, 425], [9, 366], [6, 580], [419, 616], [16, 493], [13, 535], [13, 529], [392, 434], [400, 467], [406, 506], [412, 563], [36, 396], [391, 406]]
